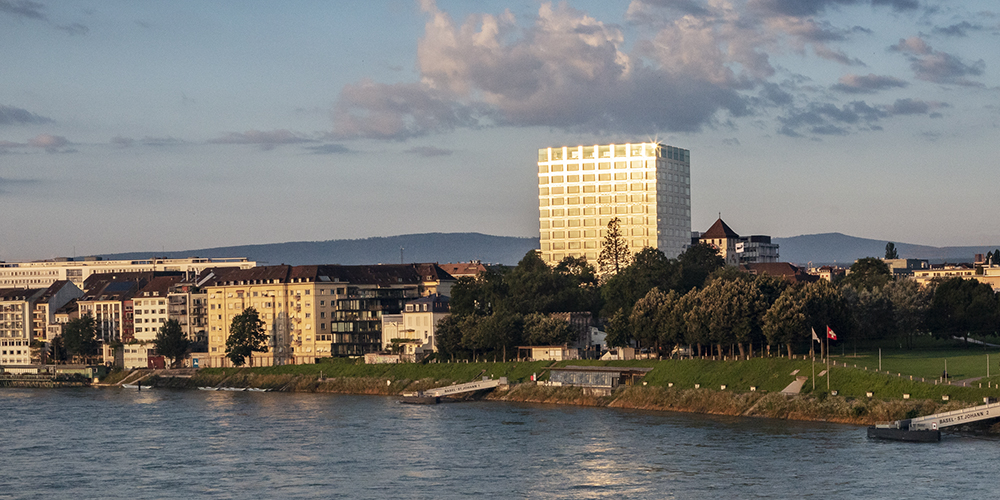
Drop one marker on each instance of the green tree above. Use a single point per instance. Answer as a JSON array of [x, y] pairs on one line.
[[171, 342], [619, 332], [246, 336], [910, 303], [649, 269], [732, 310], [448, 335], [542, 329], [696, 264], [615, 254], [962, 307], [785, 319], [80, 338], [890, 251], [57, 353], [868, 273], [649, 318]]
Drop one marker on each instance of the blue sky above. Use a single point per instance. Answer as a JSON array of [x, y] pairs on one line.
[[145, 126]]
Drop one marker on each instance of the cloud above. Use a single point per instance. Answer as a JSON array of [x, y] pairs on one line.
[[938, 67], [806, 8], [26, 9], [429, 151], [913, 107], [266, 139], [50, 143], [329, 149], [126, 142], [566, 70], [961, 29], [7, 184], [867, 84], [397, 111], [74, 28], [10, 115], [23, 8]]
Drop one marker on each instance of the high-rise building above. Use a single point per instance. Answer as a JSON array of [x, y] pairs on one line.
[[647, 186]]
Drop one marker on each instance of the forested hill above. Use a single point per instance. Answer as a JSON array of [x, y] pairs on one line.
[[426, 247], [825, 248], [842, 249]]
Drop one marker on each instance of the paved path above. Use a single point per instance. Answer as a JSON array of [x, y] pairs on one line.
[[795, 387]]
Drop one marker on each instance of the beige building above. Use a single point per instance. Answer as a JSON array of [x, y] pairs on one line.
[[413, 329], [313, 312], [15, 324], [40, 274], [647, 186]]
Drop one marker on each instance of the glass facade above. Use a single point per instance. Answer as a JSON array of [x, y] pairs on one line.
[[647, 186]]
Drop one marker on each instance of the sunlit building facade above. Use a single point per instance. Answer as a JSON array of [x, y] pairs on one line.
[[647, 186]]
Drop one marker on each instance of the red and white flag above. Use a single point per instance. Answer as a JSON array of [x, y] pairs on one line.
[[829, 333]]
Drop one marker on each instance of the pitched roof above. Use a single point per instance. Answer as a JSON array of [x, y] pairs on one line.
[[719, 230], [786, 270]]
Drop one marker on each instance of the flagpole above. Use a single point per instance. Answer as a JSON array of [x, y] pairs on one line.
[[828, 358]]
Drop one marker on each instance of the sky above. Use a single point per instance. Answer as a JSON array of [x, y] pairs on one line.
[[147, 126]]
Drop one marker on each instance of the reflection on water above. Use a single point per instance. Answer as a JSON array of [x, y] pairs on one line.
[[115, 443]]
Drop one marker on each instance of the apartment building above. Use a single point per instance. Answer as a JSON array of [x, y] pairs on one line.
[[15, 324], [647, 186], [40, 274], [736, 249], [312, 312]]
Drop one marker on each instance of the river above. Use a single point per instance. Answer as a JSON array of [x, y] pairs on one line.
[[119, 443]]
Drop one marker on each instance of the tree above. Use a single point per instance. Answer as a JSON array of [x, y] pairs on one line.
[[542, 329], [246, 336], [80, 338], [961, 307], [890, 251], [649, 318], [696, 264], [57, 353], [732, 310], [868, 273], [910, 303], [171, 341], [649, 269], [615, 254], [784, 320]]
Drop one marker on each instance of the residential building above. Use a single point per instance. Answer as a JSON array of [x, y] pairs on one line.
[[40, 274], [905, 267], [736, 250], [790, 272], [315, 311], [108, 298], [471, 269], [44, 324], [646, 186], [16, 305], [413, 329]]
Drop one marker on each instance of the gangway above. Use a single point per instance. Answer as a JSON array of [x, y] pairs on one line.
[[929, 428], [431, 396]]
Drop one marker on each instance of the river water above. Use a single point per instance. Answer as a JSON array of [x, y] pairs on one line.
[[119, 443]]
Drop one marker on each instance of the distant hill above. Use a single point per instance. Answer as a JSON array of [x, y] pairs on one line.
[[828, 248], [427, 247]]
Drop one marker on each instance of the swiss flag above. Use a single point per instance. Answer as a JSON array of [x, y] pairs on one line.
[[829, 333]]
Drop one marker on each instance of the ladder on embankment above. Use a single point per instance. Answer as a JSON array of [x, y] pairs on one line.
[[450, 390]]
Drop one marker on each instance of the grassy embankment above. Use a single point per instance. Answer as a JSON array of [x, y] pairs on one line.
[[348, 376], [671, 383]]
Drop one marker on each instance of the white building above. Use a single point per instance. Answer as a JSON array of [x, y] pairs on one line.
[[41, 274], [414, 328], [647, 186]]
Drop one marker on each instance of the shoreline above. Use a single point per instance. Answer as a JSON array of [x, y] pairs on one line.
[[761, 404]]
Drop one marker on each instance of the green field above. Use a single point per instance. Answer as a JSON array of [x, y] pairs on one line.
[[915, 372]]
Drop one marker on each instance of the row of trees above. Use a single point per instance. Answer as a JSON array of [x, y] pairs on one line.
[[738, 309]]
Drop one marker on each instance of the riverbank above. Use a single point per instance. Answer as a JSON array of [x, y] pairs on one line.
[[761, 403]]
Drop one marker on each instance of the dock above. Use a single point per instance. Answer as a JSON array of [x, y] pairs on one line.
[[432, 396], [928, 429]]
